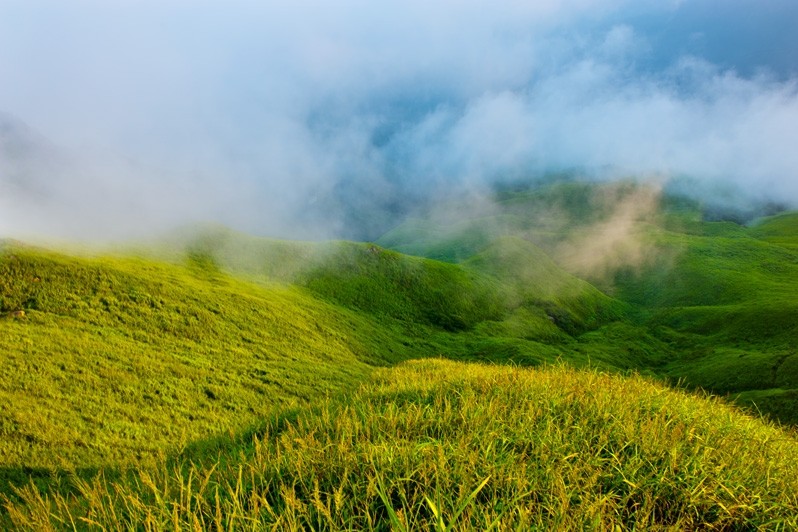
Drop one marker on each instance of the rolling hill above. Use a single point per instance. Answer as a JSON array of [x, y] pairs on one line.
[[212, 378], [716, 297]]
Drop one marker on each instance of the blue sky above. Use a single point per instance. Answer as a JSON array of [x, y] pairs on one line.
[[270, 116]]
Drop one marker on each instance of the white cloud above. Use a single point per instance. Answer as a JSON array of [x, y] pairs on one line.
[[254, 113]]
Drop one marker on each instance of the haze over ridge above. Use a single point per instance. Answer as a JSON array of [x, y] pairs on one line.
[[303, 119]]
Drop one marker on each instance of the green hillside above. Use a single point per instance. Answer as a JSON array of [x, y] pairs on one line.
[[468, 311], [211, 361], [781, 229], [545, 215], [114, 360], [443, 445], [716, 299], [728, 297], [359, 276], [383, 282], [531, 278]]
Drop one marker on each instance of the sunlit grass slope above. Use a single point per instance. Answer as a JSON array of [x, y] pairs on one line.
[[112, 360], [501, 279], [384, 282], [512, 300], [438, 445]]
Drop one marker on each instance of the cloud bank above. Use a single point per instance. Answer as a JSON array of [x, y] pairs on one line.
[[311, 119]]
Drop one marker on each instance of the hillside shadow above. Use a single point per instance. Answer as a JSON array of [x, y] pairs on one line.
[[215, 449]]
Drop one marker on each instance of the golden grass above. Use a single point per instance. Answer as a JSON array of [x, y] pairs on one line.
[[442, 445]]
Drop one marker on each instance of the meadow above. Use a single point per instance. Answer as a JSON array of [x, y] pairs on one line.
[[468, 373]]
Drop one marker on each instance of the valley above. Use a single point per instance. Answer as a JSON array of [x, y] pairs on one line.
[[560, 355]]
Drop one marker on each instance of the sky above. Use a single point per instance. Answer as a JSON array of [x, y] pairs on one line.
[[318, 119]]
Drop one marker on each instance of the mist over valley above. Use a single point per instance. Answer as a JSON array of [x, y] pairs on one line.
[[452, 265]]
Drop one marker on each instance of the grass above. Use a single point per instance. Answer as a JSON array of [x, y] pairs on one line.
[[440, 445], [386, 283], [531, 279], [213, 383], [117, 361], [359, 276], [780, 229], [713, 303], [727, 303]]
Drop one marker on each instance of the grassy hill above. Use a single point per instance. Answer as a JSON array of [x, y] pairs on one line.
[[780, 229], [716, 299], [459, 229], [386, 283], [728, 297], [469, 310], [359, 276], [111, 361], [442, 445], [213, 362], [531, 278]]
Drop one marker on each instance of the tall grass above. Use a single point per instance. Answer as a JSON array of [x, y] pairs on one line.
[[119, 360], [439, 445]]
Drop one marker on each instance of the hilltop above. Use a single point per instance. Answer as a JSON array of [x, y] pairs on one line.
[[440, 445]]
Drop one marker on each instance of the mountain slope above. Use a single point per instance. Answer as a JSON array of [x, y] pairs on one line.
[[715, 299], [209, 353], [112, 360], [728, 294], [532, 278]]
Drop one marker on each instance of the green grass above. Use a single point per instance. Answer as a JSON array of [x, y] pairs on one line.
[[455, 230], [449, 243], [714, 298], [531, 278], [703, 285], [218, 364], [780, 229], [437, 445], [386, 283], [777, 402], [359, 276], [726, 295], [702, 271], [118, 360]]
